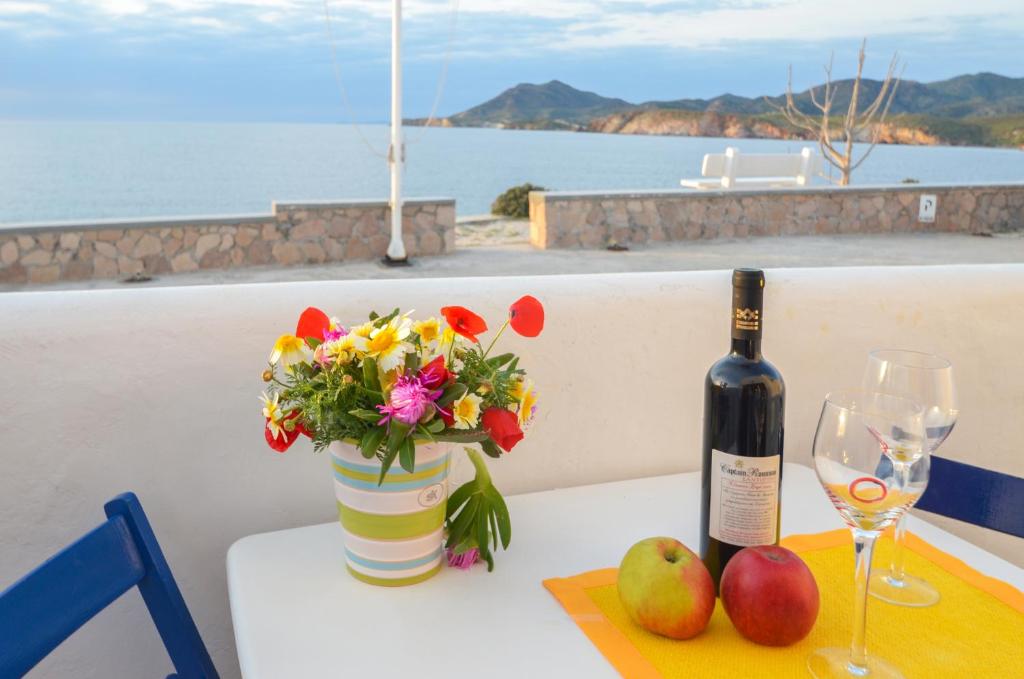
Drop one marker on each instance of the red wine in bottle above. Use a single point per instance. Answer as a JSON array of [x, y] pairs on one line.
[[744, 403]]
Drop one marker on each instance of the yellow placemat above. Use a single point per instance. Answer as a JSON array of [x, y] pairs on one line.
[[975, 631]]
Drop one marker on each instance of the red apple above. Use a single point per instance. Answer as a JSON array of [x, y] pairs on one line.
[[770, 595], [666, 589]]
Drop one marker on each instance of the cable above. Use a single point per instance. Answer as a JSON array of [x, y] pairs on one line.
[[346, 104], [442, 77]]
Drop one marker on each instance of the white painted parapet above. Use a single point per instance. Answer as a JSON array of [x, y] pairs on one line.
[[155, 390]]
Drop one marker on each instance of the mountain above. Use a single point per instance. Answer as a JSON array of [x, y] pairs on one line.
[[979, 109], [554, 101]]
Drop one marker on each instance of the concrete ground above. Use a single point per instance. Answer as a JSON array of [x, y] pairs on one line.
[[520, 259]]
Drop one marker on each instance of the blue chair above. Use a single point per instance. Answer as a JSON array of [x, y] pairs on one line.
[[44, 608], [975, 495]]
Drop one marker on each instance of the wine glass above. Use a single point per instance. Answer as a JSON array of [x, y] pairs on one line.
[[928, 380], [863, 441]]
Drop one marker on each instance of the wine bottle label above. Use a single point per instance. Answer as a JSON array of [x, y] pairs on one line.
[[744, 499]]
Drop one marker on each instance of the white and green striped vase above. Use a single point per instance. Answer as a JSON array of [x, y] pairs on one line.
[[393, 532]]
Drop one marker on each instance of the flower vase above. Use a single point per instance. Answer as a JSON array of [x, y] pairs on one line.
[[394, 531]]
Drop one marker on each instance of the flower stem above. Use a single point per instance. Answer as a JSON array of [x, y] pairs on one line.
[[495, 340], [483, 476]]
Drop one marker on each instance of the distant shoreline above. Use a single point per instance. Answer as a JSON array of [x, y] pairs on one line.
[[722, 126]]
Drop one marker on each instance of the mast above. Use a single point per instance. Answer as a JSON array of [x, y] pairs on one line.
[[396, 153]]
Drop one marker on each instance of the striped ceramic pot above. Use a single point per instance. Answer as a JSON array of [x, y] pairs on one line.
[[394, 531]]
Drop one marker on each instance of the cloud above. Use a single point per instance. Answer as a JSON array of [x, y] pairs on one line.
[[13, 8], [786, 21], [503, 28]]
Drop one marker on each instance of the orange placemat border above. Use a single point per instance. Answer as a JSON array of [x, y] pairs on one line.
[[624, 657]]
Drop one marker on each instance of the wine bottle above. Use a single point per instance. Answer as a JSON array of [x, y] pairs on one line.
[[744, 403]]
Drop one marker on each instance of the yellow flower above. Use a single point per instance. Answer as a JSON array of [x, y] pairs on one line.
[[448, 338], [428, 330], [289, 350], [516, 392], [388, 379], [364, 331], [466, 411], [387, 344], [527, 401], [344, 349], [272, 412]]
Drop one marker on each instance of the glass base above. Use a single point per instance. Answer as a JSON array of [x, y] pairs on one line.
[[834, 663], [909, 591]]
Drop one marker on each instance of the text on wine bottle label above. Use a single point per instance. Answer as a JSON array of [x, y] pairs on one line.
[[744, 499]]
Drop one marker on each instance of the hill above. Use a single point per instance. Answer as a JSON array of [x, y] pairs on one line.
[[553, 101], [979, 109]]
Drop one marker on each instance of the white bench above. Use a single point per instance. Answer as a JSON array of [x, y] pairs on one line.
[[732, 170]]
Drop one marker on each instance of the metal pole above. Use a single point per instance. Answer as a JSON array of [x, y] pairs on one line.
[[396, 154]]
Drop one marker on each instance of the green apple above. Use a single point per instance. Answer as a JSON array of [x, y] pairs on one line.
[[666, 589]]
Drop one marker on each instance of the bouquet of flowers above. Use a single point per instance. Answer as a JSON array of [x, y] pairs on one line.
[[393, 382]]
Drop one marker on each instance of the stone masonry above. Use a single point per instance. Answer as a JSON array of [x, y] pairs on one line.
[[294, 234], [596, 220]]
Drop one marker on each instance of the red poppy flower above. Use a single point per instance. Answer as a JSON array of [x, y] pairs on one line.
[[447, 416], [526, 316], [503, 427], [464, 322], [434, 375], [312, 323], [286, 438]]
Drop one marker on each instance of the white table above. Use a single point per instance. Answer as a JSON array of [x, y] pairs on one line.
[[297, 613]]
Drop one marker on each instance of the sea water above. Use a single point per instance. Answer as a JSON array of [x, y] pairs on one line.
[[80, 171]]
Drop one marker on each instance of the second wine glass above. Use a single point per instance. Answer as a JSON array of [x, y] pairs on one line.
[[928, 380]]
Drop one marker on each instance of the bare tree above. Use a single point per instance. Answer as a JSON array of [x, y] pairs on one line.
[[856, 125]]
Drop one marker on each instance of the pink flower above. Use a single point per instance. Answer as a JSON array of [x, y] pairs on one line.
[[408, 401], [465, 560], [336, 334]]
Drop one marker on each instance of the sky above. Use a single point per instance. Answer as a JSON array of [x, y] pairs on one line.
[[271, 60]]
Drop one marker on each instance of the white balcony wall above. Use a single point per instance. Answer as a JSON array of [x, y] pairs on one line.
[[155, 390]]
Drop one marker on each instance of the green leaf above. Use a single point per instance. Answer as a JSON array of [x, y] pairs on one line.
[[366, 415], [412, 362], [423, 433], [512, 366], [435, 425], [458, 498], [494, 527], [374, 315], [462, 437], [385, 465], [501, 514], [452, 394], [384, 320], [397, 433], [463, 521], [313, 342], [490, 448], [371, 441], [500, 360], [481, 536], [371, 379], [407, 455]]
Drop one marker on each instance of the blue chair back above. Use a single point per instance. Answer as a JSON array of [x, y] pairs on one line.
[[975, 495], [44, 608]]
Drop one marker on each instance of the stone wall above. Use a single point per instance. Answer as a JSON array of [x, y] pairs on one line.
[[293, 234], [597, 219]]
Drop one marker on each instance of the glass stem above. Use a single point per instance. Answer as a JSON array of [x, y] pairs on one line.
[[896, 572], [864, 547]]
